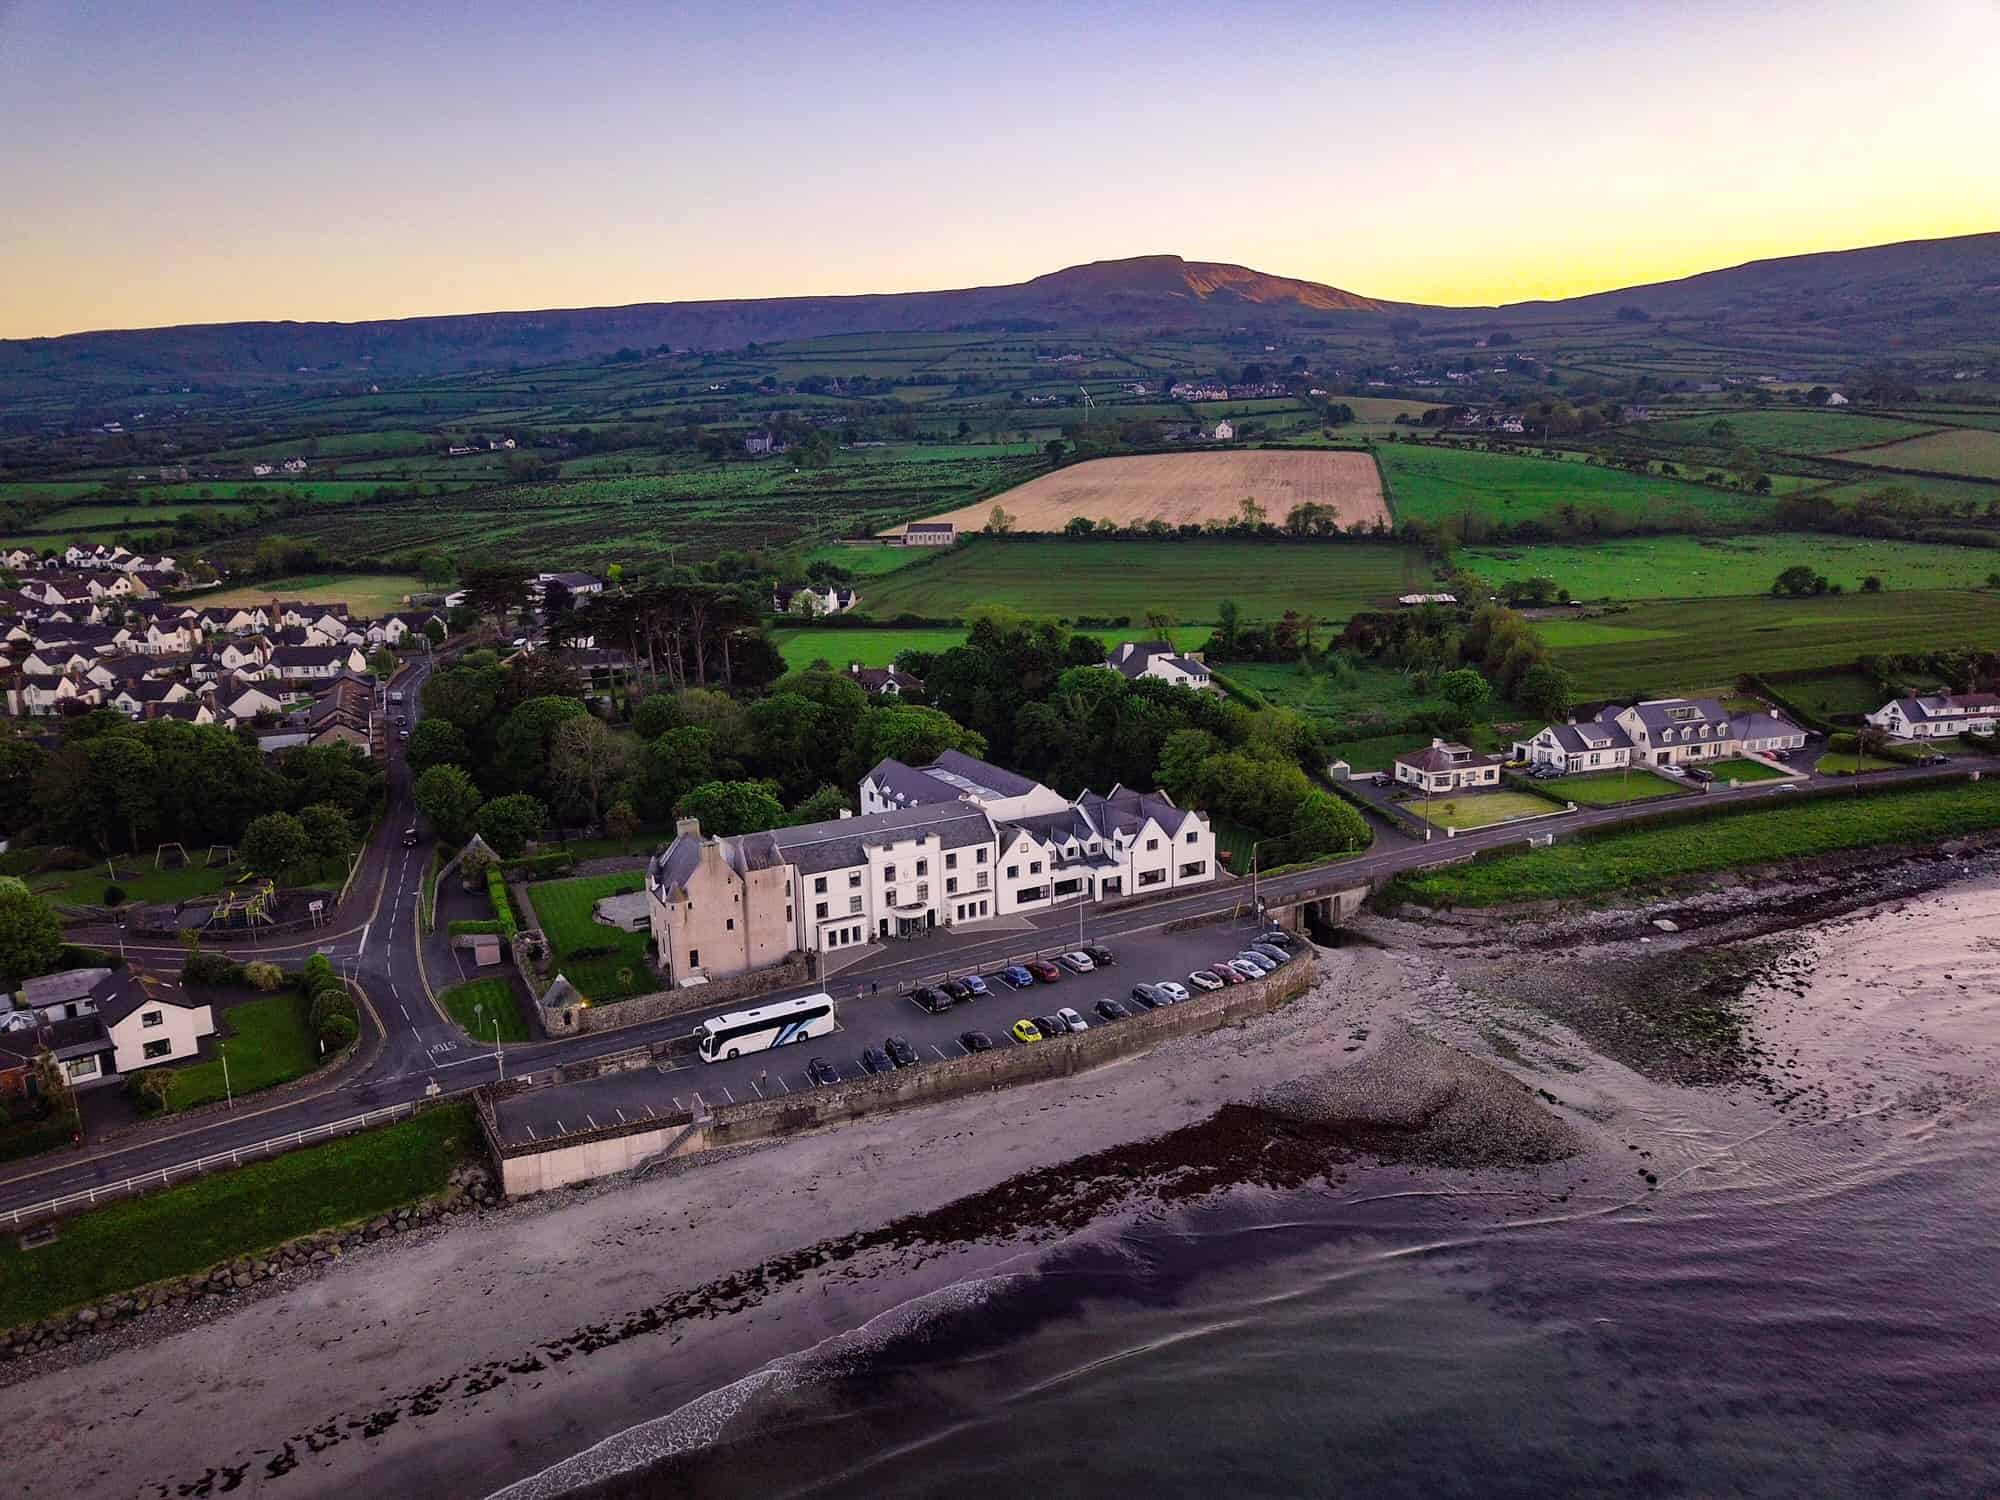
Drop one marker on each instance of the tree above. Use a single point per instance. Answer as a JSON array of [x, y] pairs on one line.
[[521, 752], [1079, 526], [1228, 626], [30, 936], [274, 844], [1545, 690], [621, 821], [1323, 824], [585, 761], [1872, 584], [671, 766], [383, 663], [1464, 689], [435, 742], [329, 834], [656, 714], [1796, 581], [1053, 450], [446, 795], [1251, 512], [510, 823], [998, 522], [727, 807], [823, 806]]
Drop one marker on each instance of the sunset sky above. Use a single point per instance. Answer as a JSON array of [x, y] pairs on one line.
[[172, 162]]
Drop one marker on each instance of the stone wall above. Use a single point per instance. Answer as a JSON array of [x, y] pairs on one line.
[[589, 1019], [580, 1157]]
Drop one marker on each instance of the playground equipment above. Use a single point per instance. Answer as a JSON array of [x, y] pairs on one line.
[[181, 860], [228, 855], [247, 903]]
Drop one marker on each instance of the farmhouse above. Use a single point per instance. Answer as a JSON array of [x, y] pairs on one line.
[[1416, 601], [811, 601], [929, 534], [1938, 715], [1444, 767], [1159, 660], [885, 682]]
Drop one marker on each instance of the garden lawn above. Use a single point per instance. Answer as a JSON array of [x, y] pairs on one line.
[[218, 1217], [1480, 809], [269, 1041], [1610, 788], [1649, 858], [1739, 769], [588, 953], [1853, 765], [475, 1003]]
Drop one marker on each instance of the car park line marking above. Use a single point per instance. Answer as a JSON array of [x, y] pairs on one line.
[[621, 1117], [784, 1085], [964, 1051], [727, 1095], [755, 1085], [697, 1101], [679, 1108]]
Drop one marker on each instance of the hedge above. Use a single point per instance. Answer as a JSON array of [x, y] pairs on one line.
[[503, 904], [539, 866]]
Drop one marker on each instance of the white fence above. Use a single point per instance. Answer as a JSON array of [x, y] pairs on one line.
[[164, 1176]]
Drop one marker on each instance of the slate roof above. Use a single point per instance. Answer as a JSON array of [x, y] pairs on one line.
[[1434, 758], [1762, 726], [1123, 810], [980, 776], [877, 678], [130, 991], [1659, 714], [930, 526], [62, 987], [1588, 738], [908, 785], [1930, 707], [844, 842]]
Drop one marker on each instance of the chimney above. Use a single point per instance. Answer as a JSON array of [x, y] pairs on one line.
[[688, 828]]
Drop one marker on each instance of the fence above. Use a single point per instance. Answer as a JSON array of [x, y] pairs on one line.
[[162, 1177]]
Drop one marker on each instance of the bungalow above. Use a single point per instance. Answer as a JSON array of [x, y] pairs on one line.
[[297, 664], [885, 682], [1445, 767], [1158, 660], [929, 534], [1938, 715]]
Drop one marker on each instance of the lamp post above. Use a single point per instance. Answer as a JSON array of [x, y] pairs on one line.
[[228, 1095]]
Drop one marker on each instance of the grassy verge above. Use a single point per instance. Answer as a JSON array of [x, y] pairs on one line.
[[269, 1042], [428, 899], [1479, 810], [1736, 769], [194, 1226], [476, 1002], [604, 963], [1848, 765], [475, 927], [1609, 788], [1649, 858]]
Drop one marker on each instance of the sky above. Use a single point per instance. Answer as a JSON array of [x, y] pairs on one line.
[[177, 162]]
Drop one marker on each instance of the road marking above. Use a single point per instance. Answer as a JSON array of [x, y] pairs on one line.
[[755, 1085], [364, 933], [727, 1095], [678, 1106], [697, 1101], [405, 1010]]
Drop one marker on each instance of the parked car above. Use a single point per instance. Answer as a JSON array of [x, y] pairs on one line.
[[1932, 758], [1277, 955], [1225, 974], [1278, 937], [975, 1041], [1546, 773], [1245, 970], [875, 1060], [1781, 755], [1110, 1010], [975, 986], [1699, 775], [1069, 1019], [901, 1053], [1078, 962], [402, 734], [937, 1002], [1201, 979], [1149, 997], [956, 988], [1026, 1031], [1099, 955], [1043, 970], [1017, 976], [1173, 990], [1788, 786], [821, 1072], [1256, 961]]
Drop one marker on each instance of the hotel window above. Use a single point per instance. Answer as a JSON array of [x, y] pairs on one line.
[[854, 881], [819, 885], [854, 906], [888, 872], [923, 867], [694, 958], [951, 860], [819, 912], [979, 857]]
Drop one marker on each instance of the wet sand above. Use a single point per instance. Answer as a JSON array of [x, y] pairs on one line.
[[469, 1358]]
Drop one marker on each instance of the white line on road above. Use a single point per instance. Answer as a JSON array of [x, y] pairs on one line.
[[678, 1106], [364, 933], [417, 1034], [405, 1010], [784, 1085]]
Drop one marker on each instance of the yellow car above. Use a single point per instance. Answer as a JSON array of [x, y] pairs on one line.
[[1027, 1031]]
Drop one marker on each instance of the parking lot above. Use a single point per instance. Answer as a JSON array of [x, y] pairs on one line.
[[866, 1020]]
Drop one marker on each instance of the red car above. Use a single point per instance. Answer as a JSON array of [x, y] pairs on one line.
[[1227, 975], [1043, 970]]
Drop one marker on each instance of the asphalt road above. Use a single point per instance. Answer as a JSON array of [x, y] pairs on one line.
[[409, 1046]]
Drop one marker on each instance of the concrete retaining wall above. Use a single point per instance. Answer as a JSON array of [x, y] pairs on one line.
[[583, 1156], [590, 1019]]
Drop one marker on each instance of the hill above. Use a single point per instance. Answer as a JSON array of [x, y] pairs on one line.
[[1873, 292]]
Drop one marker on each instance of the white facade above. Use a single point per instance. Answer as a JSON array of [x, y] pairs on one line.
[[158, 1032], [1937, 716]]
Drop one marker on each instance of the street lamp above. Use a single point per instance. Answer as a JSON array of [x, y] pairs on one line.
[[228, 1095]]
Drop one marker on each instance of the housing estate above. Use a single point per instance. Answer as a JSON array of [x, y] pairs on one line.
[[1159, 660], [953, 842], [1929, 716]]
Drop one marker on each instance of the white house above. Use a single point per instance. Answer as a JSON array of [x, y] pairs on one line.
[[1224, 432], [1445, 767], [1159, 660], [1675, 731], [929, 534], [1834, 398], [885, 682], [957, 777], [150, 1021], [1938, 715], [1590, 746]]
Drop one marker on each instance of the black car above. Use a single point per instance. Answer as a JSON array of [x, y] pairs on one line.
[[901, 1053], [1111, 1010], [1051, 1026], [937, 1002], [957, 990], [875, 1060], [975, 1041], [409, 838], [1277, 937], [1274, 953], [822, 1072], [1149, 997], [1099, 954]]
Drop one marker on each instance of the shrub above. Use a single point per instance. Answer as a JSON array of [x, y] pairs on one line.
[[328, 1005], [81, 956], [211, 968], [591, 950], [263, 975], [540, 866], [114, 895], [503, 906], [317, 969], [338, 1031]]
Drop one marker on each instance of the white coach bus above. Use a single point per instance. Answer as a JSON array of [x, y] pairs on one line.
[[778, 1024]]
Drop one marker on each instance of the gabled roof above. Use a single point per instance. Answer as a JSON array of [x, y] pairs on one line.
[[1434, 758], [908, 785], [133, 990], [978, 776], [1123, 810], [1590, 737], [1673, 713]]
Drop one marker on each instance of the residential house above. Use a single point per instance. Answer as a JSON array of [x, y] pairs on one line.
[[1929, 716], [310, 664], [1589, 746], [1445, 767], [1225, 432], [136, 697], [243, 700], [1417, 601], [885, 682], [576, 585], [758, 443], [295, 466], [929, 534], [102, 1022], [1675, 731], [1834, 398], [812, 600], [1159, 660]]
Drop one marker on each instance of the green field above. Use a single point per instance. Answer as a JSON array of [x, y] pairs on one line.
[[267, 1041], [1810, 431], [604, 963], [1971, 451], [463, 1002], [1439, 484], [1685, 567], [1611, 788], [1660, 648], [1358, 701], [1048, 576], [367, 594], [1651, 858], [216, 1218], [872, 648], [864, 562]]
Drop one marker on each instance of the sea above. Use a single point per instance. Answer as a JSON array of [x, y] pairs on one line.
[[1771, 1289]]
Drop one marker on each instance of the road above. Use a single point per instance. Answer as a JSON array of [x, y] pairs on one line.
[[409, 1047]]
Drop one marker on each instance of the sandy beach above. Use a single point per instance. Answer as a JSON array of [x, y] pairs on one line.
[[456, 1362]]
